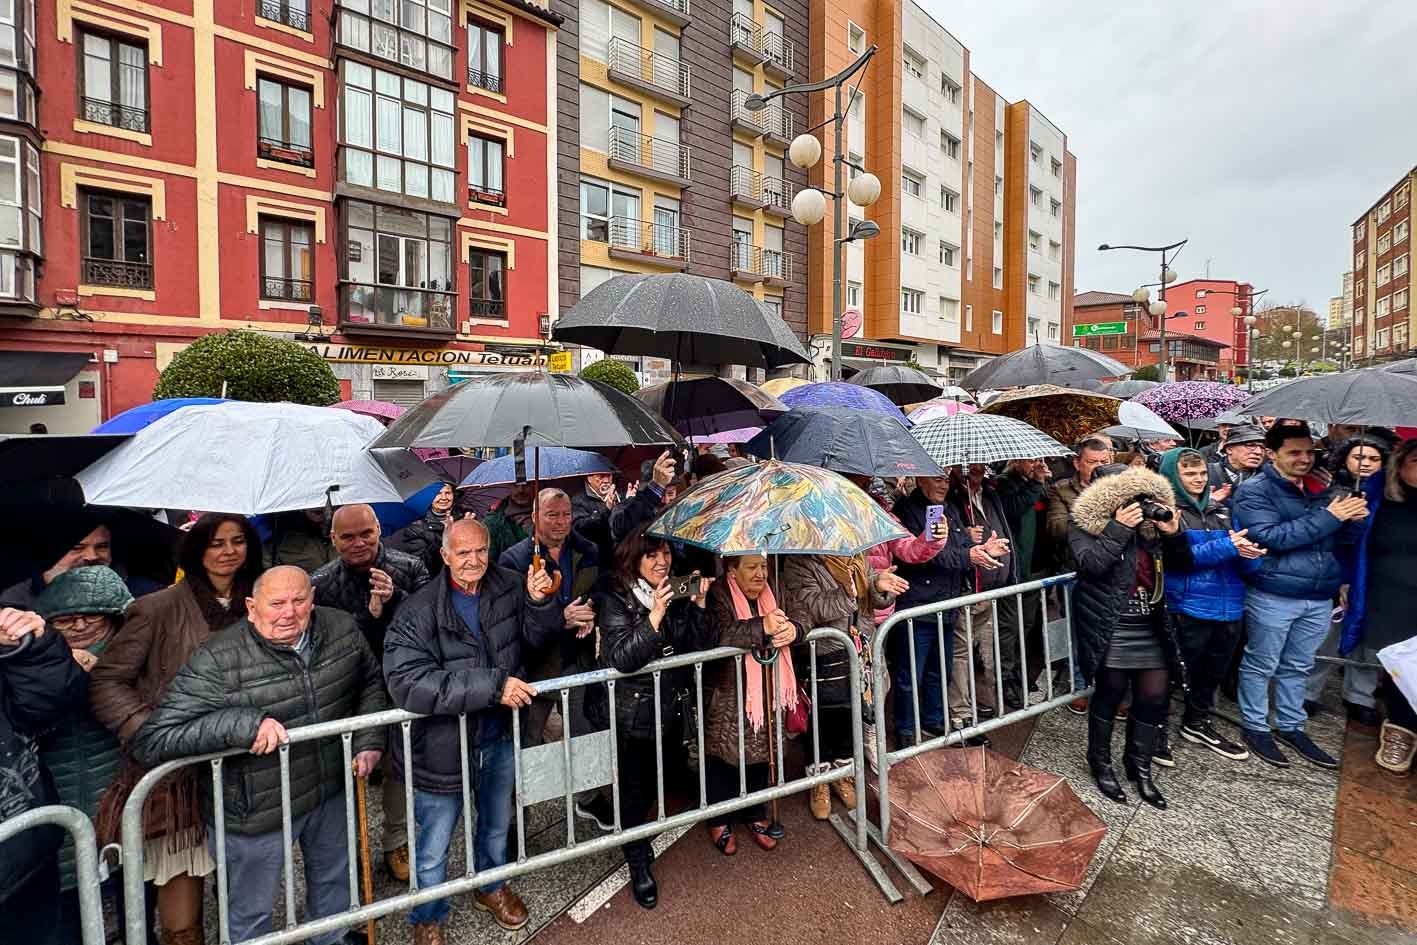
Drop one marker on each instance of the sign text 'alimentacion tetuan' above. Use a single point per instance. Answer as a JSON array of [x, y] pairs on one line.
[[432, 357]]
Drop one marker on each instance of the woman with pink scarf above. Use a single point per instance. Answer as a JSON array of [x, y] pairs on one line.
[[746, 614]]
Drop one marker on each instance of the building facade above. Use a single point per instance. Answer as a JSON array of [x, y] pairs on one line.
[[1120, 328], [370, 180], [1340, 310], [1204, 308], [1383, 323]]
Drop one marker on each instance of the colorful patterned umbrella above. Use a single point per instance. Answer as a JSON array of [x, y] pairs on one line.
[[1066, 415], [1181, 401], [778, 508], [939, 407], [841, 394]]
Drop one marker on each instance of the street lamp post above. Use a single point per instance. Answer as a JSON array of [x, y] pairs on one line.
[[1250, 331], [1168, 275], [809, 206]]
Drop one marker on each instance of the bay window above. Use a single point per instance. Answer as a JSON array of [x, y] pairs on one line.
[[416, 34], [397, 134], [17, 84], [396, 268], [20, 195]]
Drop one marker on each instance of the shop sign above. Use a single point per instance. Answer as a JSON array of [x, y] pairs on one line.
[[870, 352], [42, 397], [398, 372], [560, 362], [427, 357]]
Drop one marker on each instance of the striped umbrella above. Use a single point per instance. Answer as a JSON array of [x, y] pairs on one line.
[[984, 438]]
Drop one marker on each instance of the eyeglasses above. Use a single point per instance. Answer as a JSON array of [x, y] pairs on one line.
[[77, 621]]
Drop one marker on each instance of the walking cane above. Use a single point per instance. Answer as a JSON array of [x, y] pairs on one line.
[[361, 798], [767, 659]]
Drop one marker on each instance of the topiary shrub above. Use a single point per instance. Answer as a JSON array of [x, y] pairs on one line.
[[255, 367], [1149, 372], [615, 373]]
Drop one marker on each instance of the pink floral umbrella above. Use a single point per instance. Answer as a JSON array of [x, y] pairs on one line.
[[940, 407], [386, 413], [1183, 401]]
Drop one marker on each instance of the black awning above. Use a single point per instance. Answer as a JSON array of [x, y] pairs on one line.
[[27, 369]]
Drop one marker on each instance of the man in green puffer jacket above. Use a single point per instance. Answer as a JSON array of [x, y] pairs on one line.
[[288, 664]]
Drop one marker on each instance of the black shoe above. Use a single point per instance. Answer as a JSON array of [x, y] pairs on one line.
[[1306, 748], [1099, 758], [1264, 745], [598, 810], [1162, 755], [1313, 708], [643, 886], [1362, 714], [1203, 733], [1142, 743]]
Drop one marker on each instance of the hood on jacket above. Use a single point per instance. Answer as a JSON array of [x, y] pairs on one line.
[[1170, 468], [1101, 500]]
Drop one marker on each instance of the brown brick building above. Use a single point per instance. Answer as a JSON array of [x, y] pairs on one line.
[[1383, 323]]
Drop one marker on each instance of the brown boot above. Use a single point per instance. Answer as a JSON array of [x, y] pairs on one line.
[[505, 907], [846, 790], [397, 862], [1396, 746], [819, 800], [427, 933], [193, 936]]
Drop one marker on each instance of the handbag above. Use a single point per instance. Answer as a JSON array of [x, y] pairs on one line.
[[19, 778], [1400, 661], [799, 716]]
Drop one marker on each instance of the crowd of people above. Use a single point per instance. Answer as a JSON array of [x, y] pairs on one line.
[[1190, 563]]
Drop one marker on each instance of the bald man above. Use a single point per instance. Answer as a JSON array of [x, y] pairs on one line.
[[287, 664], [370, 582]]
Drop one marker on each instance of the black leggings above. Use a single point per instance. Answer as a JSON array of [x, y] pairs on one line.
[[1399, 710], [1149, 687]]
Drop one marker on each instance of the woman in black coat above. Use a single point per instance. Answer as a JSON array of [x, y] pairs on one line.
[[1119, 615], [641, 622]]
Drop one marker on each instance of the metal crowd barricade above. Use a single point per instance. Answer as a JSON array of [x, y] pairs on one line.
[[89, 870], [563, 769]]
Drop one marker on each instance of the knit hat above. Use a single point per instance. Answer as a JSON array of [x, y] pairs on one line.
[[91, 590]]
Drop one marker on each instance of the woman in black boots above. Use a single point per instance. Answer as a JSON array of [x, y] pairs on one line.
[[1123, 527]]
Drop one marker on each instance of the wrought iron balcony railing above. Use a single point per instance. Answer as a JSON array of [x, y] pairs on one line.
[[287, 290], [277, 11], [118, 273], [485, 80], [273, 149], [111, 113], [662, 157]]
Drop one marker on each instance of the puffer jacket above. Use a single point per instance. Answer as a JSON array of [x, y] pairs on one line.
[[434, 665], [1105, 553], [1302, 537], [344, 588], [1211, 589], [423, 539], [236, 680]]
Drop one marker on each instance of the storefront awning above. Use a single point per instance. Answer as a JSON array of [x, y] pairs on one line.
[[37, 378]]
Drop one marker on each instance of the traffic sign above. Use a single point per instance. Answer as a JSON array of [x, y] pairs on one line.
[[1099, 328], [560, 362]]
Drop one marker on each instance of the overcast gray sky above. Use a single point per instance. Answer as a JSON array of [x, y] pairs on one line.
[[1258, 129]]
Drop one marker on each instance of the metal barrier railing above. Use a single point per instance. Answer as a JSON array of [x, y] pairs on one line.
[[542, 772], [89, 870]]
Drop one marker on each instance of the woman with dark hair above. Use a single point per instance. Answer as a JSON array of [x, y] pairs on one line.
[[1391, 587], [641, 621], [220, 560]]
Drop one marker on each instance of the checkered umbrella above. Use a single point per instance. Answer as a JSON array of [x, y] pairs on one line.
[[984, 438]]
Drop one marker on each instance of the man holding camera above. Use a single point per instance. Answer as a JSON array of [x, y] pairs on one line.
[[1290, 589]]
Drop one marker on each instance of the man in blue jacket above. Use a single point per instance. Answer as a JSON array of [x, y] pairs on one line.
[[1291, 588]]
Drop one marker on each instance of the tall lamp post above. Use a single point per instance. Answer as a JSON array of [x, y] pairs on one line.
[[1244, 300], [1142, 293], [809, 207]]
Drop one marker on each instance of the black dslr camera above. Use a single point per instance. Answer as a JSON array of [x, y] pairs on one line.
[[1152, 510]]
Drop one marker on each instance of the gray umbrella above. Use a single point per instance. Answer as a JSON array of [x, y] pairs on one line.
[[703, 406], [688, 319], [1043, 364], [1405, 366], [903, 385], [1368, 398], [1126, 389]]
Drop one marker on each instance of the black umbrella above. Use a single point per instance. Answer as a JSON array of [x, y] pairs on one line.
[[1366, 398], [29, 457], [688, 319], [1126, 389], [1043, 364], [1405, 366], [39, 536], [903, 385], [707, 405], [850, 442]]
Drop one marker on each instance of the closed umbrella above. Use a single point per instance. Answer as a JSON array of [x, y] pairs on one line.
[[1043, 364], [841, 394], [939, 407], [851, 442], [705, 405], [1183, 401], [984, 438], [1367, 398], [135, 418], [903, 385], [689, 319], [781, 385]]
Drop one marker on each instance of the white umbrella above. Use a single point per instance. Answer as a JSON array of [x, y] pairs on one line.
[[1140, 422], [253, 459]]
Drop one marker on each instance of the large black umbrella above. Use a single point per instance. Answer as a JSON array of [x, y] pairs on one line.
[[688, 319], [703, 406], [26, 458], [39, 536], [1043, 364], [1125, 389], [1367, 398], [1405, 366], [851, 442], [903, 385]]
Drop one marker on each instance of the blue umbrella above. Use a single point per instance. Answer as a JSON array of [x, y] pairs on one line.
[[841, 394], [547, 462], [136, 418], [850, 442]]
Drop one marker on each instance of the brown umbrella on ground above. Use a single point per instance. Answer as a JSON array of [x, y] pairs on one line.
[[990, 826]]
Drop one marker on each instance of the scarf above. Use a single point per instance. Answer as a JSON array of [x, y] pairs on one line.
[[786, 695], [218, 616], [644, 593], [850, 573]]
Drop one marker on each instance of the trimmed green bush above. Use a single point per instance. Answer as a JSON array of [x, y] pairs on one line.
[[255, 367], [615, 373], [1149, 372]]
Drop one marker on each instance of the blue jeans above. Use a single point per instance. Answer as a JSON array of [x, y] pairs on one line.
[[493, 776], [1285, 634], [925, 638]]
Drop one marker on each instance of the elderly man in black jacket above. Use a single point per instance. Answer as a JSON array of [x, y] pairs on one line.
[[455, 649], [289, 663]]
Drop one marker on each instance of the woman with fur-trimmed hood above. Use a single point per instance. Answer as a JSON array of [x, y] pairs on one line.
[[1119, 540]]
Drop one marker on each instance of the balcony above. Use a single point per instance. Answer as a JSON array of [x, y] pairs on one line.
[[486, 194], [751, 41], [639, 241], [397, 311], [487, 308], [273, 149], [485, 80], [114, 115], [117, 273], [287, 290], [756, 264], [634, 153], [653, 73], [772, 123], [752, 189], [671, 11], [280, 12]]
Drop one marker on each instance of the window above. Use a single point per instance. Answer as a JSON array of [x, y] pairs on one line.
[[969, 318], [998, 323], [287, 260], [856, 108], [17, 61], [486, 164], [1385, 274], [1055, 209], [1200, 326], [1033, 324], [1360, 230], [1052, 331], [998, 230], [1399, 336], [484, 56], [1057, 168], [998, 277], [1035, 151], [914, 124], [949, 255], [853, 295], [910, 242], [1399, 300], [1399, 232], [774, 306], [1201, 293], [293, 13], [1384, 306], [1054, 291], [1200, 309], [416, 34], [1381, 340], [1035, 196], [914, 63], [1055, 250], [1361, 259], [1384, 211], [486, 284], [1035, 241], [912, 301], [117, 240], [998, 187], [949, 309], [1399, 266], [855, 38], [949, 200], [20, 199], [397, 266], [950, 89], [1109, 342], [283, 119], [911, 183], [1399, 199], [950, 145], [1384, 243], [114, 82], [397, 134], [999, 142], [600, 202], [1033, 283]]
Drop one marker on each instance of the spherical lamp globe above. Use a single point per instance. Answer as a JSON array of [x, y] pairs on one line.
[[809, 207], [805, 151], [864, 190]]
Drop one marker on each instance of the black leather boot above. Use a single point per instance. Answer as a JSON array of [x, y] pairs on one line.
[[643, 886], [1142, 740], [1099, 757]]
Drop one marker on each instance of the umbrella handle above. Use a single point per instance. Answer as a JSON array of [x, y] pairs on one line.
[[766, 657]]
